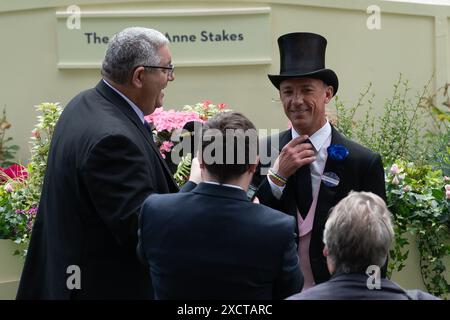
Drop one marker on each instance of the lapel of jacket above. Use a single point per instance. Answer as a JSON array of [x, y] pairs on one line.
[[327, 194], [285, 137], [123, 105]]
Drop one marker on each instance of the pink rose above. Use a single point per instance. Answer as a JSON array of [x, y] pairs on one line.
[[206, 104], [222, 106], [395, 169]]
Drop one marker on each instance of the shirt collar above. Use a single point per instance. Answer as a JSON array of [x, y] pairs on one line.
[[224, 184], [318, 138], [131, 103]]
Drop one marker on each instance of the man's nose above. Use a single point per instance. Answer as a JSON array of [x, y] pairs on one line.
[[171, 76], [298, 98]]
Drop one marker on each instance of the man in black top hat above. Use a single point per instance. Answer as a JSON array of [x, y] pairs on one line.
[[313, 166]]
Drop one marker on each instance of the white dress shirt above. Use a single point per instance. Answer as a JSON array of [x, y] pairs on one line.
[[320, 140]]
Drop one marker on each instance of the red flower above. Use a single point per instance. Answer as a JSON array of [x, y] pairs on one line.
[[206, 104], [16, 172]]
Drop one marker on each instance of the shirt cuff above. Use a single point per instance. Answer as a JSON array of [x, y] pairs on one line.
[[277, 191]]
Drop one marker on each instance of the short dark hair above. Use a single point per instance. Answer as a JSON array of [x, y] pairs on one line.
[[231, 141]]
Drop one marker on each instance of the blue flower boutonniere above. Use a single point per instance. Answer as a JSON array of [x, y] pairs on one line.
[[337, 152]]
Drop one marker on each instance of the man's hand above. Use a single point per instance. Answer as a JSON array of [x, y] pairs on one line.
[[293, 156]]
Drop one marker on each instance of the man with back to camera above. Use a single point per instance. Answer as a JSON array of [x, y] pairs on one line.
[[102, 164], [315, 165], [212, 242]]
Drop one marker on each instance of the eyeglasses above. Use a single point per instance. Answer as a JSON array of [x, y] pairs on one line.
[[170, 68]]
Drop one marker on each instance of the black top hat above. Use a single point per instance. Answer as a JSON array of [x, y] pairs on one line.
[[302, 54]]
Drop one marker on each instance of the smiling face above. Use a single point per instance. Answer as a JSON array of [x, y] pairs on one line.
[[304, 101], [154, 81]]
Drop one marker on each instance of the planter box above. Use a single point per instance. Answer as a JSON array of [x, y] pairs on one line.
[[10, 269]]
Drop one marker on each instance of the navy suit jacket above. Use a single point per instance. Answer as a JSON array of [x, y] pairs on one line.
[[362, 170], [102, 164], [213, 243], [354, 287]]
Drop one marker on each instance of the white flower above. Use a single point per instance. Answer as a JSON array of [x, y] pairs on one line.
[[395, 181]]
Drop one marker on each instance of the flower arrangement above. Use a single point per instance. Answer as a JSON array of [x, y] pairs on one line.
[[21, 186], [165, 124], [7, 151], [15, 220], [412, 136], [418, 196]]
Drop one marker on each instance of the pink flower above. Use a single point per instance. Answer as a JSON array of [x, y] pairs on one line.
[[395, 169], [447, 191], [35, 133], [446, 178], [206, 104], [171, 119], [9, 188], [407, 188], [222, 106], [166, 146]]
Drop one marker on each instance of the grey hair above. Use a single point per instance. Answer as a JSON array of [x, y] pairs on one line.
[[358, 232], [130, 48]]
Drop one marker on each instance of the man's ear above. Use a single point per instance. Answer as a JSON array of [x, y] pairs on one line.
[[325, 251], [328, 94], [253, 166], [137, 78], [200, 160]]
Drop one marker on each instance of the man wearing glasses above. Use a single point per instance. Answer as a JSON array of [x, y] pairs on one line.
[[102, 164]]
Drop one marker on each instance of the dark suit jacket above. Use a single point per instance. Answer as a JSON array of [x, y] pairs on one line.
[[362, 170], [213, 243], [101, 166], [354, 287]]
